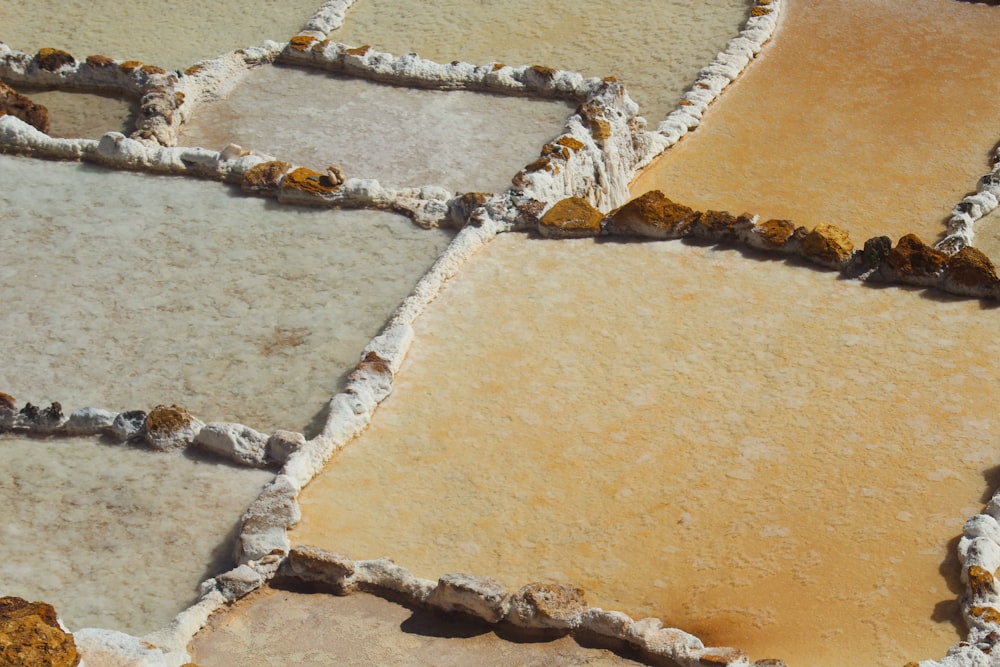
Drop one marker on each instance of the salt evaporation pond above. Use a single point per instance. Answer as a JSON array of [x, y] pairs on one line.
[[277, 627], [753, 451], [129, 290], [877, 117], [656, 47], [460, 140], [83, 115], [171, 35], [987, 235], [114, 536]]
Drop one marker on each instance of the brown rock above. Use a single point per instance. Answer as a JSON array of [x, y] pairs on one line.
[[654, 215], [970, 267], [571, 218], [570, 142], [21, 107], [152, 69], [544, 73], [557, 606], [308, 180], [265, 177], [980, 581], [720, 656], [460, 209], [828, 245], [912, 256], [99, 61], [131, 65], [302, 42], [7, 402], [720, 225], [775, 233], [593, 117], [530, 211], [987, 614], [170, 427], [30, 635], [52, 59], [359, 51]]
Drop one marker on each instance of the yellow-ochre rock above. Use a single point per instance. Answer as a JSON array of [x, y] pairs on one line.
[[828, 245], [572, 217], [30, 635]]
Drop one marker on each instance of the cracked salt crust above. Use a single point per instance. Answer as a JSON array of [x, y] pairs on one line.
[[130, 290], [114, 536], [850, 118], [715, 458], [460, 140]]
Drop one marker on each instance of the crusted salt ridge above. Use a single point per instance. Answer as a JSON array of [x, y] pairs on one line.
[[715, 77], [557, 609], [960, 227]]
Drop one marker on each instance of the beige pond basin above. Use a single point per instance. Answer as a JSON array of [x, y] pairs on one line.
[[171, 35], [273, 628], [655, 46], [112, 536], [76, 115], [874, 115], [124, 290], [987, 238], [753, 451], [461, 140]]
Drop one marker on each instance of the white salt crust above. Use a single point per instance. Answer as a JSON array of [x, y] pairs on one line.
[[599, 172]]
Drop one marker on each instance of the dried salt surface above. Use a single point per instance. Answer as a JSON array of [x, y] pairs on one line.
[[114, 536], [850, 117], [461, 140], [128, 290], [84, 115], [171, 35], [755, 452], [987, 236], [656, 47], [278, 627]]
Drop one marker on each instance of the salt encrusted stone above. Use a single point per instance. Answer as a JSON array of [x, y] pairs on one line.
[[773, 235], [313, 564], [89, 421], [979, 551], [170, 427], [20, 106], [128, 425], [39, 420], [572, 217], [30, 634], [238, 582], [481, 597], [721, 226], [267, 520], [547, 606], [611, 624], [283, 444], [828, 245], [652, 215], [982, 525], [235, 442]]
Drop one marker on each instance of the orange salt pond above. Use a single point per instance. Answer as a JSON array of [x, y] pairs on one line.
[[753, 451], [877, 117]]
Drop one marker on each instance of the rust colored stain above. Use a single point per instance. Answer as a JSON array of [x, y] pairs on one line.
[[877, 116]]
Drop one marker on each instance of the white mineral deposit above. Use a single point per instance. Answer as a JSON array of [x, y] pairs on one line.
[[129, 290], [461, 140], [114, 536]]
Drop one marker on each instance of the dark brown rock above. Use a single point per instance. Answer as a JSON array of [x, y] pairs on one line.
[[911, 256], [970, 267], [572, 217], [7, 402], [828, 245], [30, 636], [557, 606], [99, 61], [720, 225], [52, 59], [654, 215], [21, 107], [265, 177]]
